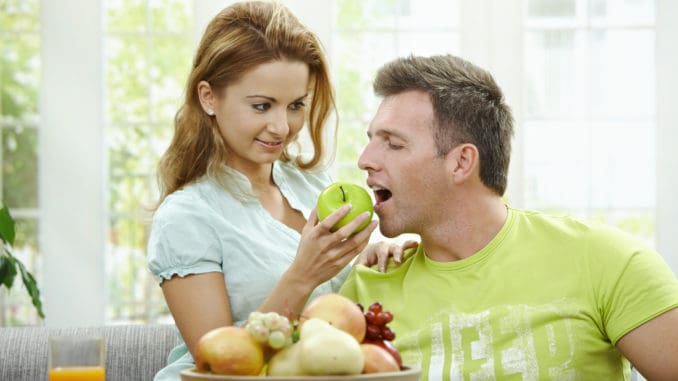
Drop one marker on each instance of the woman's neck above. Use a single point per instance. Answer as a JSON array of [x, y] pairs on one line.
[[260, 176]]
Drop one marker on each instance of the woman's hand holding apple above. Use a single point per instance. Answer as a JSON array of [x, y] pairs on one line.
[[322, 253]]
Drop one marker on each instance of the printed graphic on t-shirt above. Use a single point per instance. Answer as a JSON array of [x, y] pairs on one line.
[[506, 342]]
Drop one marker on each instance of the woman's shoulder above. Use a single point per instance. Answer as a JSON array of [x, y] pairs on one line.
[[194, 199]]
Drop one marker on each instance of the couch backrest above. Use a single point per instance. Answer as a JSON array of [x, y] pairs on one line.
[[133, 352]]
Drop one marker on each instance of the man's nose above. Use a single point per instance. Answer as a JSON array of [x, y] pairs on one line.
[[365, 161]]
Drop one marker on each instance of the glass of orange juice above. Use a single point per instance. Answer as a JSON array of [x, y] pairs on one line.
[[77, 358]]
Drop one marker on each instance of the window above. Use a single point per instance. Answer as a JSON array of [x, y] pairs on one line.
[[589, 116], [366, 34], [19, 122], [152, 40], [592, 138]]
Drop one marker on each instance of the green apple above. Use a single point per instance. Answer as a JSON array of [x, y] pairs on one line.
[[339, 194]]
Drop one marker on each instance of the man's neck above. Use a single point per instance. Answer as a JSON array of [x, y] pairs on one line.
[[470, 226]]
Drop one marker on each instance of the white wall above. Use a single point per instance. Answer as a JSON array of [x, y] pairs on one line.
[[71, 179]]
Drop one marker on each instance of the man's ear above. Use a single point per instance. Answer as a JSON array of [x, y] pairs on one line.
[[207, 97], [464, 162]]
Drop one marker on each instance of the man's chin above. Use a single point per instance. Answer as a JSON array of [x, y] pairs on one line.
[[387, 232]]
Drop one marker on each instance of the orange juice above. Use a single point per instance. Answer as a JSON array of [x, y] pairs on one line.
[[78, 373]]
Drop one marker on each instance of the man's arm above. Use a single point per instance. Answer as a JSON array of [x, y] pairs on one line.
[[652, 348]]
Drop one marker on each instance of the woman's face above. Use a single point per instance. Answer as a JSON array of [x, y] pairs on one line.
[[263, 111]]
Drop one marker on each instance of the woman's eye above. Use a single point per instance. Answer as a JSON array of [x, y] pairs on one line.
[[261, 106], [297, 105]]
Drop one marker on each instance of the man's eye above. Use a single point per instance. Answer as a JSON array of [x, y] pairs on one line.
[[394, 147], [261, 106], [297, 105]]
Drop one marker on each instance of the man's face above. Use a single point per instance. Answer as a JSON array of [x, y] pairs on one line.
[[407, 176]]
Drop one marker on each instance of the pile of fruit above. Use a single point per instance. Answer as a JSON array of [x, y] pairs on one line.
[[333, 336]]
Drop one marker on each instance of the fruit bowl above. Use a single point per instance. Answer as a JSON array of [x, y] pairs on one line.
[[407, 374]]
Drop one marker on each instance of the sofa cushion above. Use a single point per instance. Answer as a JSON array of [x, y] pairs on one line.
[[133, 352]]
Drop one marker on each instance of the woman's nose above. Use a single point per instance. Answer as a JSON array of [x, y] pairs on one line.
[[279, 124]]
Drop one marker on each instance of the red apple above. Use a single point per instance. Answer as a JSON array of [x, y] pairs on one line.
[[378, 359], [389, 347], [339, 311], [229, 350]]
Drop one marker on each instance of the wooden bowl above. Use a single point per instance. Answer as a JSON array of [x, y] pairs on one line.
[[407, 374]]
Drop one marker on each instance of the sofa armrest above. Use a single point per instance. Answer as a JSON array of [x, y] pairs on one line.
[[133, 352]]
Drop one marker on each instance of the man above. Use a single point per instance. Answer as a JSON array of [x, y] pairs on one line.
[[494, 292]]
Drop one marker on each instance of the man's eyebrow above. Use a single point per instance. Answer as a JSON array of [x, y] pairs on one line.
[[386, 133]]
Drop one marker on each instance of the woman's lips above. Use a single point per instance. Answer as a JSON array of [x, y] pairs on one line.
[[269, 145]]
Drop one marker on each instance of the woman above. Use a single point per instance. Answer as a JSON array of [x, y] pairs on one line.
[[236, 230]]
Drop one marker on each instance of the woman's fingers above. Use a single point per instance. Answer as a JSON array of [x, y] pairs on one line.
[[350, 228], [400, 250], [334, 217], [322, 251], [382, 257]]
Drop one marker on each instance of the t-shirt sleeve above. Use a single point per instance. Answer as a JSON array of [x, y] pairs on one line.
[[638, 285], [183, 240]]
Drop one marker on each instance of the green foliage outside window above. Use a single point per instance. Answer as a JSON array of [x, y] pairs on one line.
[[148, 51], [19, 84], [11, 266]]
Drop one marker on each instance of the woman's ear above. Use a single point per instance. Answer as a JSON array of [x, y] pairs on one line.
[[206, 96], [464, 161]]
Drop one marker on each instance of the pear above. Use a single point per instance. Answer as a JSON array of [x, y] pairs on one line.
[[326, 350], [285, 362]]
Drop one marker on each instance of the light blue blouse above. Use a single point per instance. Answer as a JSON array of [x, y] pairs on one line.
[[204, 228]]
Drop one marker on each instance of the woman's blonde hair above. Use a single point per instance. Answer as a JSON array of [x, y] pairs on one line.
[[238, 39]]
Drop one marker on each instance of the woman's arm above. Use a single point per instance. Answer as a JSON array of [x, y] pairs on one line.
[[321, 255], [198, 304]]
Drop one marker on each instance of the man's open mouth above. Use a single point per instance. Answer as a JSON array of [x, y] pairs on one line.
[[381, 194]]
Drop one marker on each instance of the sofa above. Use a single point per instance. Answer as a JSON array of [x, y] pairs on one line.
[[133, 352]]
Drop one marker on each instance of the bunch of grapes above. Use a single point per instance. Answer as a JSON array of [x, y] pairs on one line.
[[270, 329], [376, 320]]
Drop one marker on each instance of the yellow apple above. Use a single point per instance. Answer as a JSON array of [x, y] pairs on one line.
[[338, 310], [229, 350]]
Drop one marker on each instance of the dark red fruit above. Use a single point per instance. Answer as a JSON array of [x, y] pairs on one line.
[[373, 332], [388, 316], [386, 344], [375, 307], [387, 334], [370, 318]]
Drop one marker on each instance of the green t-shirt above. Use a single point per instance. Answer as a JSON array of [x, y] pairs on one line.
[[546, 299]]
